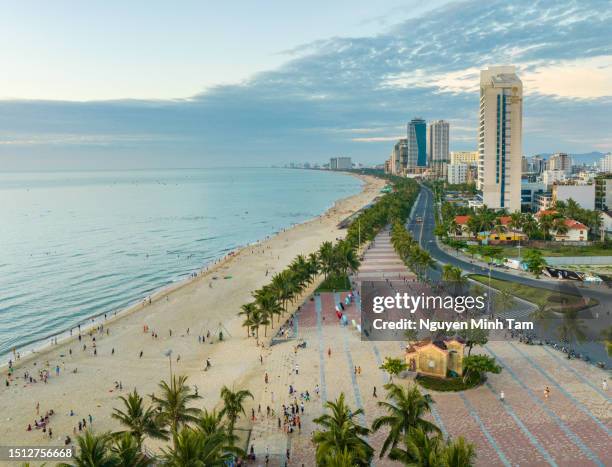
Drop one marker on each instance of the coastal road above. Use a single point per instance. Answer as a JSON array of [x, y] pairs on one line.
[[595, 318]]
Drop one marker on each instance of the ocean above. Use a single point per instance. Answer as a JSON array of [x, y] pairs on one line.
[[79, 244]]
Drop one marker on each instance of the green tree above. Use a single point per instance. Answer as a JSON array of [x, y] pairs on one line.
[[419, 450], [560, 227], [535, 262], [340, 432], [339, 459], [327, 258], [459, 453], [393, 366], [94, 450], [194, 448], [406, 408], [139, 420], [126, 450], [247, 310], [233, 405], [173, 404], [346, 257], [474, 336], [475, 367]]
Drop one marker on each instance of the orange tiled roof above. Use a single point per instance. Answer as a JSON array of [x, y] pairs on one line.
[[462, 220], [574, 225], [545, 212]]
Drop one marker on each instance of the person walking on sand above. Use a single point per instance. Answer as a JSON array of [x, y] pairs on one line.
[[329, 352], [546, 392], [374, 393], [604, 384], [140, 356], [502, 396]]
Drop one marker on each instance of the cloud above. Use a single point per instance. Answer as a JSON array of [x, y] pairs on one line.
[[333, 96]]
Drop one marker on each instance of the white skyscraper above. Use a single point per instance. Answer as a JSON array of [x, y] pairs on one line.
[[437, 144], [500, 144]]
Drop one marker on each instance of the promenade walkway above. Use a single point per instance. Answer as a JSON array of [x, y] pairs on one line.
[[570, 427]]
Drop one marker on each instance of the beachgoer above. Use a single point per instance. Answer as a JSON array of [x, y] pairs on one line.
[[374, 392], [140, 356], [502, 396]]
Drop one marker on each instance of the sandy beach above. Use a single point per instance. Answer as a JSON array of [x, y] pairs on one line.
[[84, 383]]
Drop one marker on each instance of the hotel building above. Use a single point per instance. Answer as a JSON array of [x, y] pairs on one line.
[[500, 138], [417, 143], [437, 145]]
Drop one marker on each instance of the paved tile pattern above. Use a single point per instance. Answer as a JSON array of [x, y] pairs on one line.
[[571, 427]]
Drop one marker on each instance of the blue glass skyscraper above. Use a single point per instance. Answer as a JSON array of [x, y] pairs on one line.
[[417, 143]]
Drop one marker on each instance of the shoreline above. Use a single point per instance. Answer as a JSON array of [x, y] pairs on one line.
[[85, 380], [65, 335]]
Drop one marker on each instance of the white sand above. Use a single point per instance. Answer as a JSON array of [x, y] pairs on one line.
[[191, 305]]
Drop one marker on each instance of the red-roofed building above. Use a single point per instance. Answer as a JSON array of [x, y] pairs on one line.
[[545, 212], [576, 232], [463, 230]]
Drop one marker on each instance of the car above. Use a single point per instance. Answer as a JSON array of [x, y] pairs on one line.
[[419, 219]]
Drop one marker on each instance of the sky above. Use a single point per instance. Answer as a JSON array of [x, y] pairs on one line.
[[102, 85]]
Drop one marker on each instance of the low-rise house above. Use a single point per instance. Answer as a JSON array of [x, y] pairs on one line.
[[509, 235], [462, 230], [439, 358], [576, 232]]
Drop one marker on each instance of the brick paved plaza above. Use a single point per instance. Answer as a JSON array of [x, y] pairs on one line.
[[571, 427]]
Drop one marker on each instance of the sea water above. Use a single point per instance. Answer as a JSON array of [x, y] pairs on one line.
[[79, 244]]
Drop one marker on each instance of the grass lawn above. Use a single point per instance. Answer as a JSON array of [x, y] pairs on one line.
[[448, 384], [557, 301], [592, 250], [335, 284]]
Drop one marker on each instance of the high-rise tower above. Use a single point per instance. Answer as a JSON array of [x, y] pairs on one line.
[[500, 139]]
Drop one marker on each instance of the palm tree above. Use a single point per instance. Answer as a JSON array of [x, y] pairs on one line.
[[560, 227], [420, 450], [94, 451], [313, 266], [140, 421], [499, 226], [346, 257], [247, 311], [504, 300], [268, 306], [173, 404], [453, 276], [406, 408], [572, 328], [210, 422], [572, 209], [516, 220], [326, 258], [530, 226], [546, 223], [194, 448], [339, 459], [341, 433], [126, 450], [233, 405], [542, 315], [459, 453], [283, 286]]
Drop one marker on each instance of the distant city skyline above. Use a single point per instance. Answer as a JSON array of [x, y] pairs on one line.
[[290, 88]]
